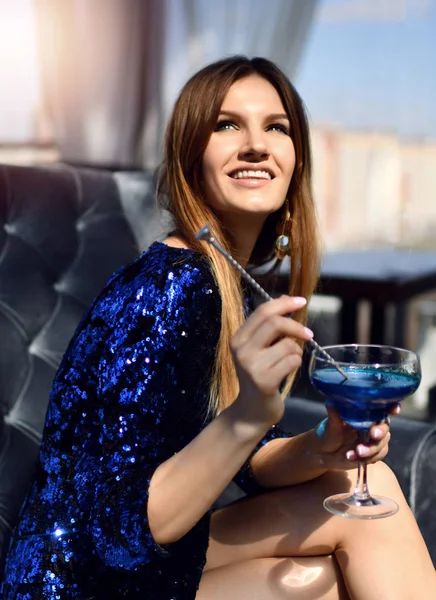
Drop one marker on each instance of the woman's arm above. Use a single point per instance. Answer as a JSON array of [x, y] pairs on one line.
[[184, 487], [162, 466], [332, 445], [288, 461]]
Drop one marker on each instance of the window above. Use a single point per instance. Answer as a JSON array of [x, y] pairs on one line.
[[24, 129], [369, 82]]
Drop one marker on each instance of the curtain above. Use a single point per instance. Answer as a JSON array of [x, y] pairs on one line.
[[111, 69]]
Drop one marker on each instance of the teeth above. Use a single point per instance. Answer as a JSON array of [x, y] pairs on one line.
[[251, 173]]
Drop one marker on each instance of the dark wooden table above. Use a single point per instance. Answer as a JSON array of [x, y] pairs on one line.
[[385, 278]]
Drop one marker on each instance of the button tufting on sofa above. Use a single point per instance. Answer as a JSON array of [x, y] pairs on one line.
[[10, 228], [65, 231]]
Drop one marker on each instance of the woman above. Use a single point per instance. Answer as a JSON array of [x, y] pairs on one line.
[[167, 393]]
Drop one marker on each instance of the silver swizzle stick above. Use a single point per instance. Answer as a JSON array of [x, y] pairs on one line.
[[205, 234]]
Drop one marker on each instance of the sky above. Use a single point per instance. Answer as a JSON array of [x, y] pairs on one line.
[[371, 64]]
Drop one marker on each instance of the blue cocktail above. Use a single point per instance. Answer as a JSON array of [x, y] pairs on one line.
[[378, 377], [368, 394]]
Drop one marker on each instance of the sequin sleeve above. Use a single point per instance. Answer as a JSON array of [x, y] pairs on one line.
[[154, 384], [245, 478]]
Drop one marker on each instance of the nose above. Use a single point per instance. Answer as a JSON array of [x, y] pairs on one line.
[[254, 146]]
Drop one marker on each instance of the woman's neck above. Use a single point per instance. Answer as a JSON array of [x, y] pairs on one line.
[[243, 241], [175, 241]]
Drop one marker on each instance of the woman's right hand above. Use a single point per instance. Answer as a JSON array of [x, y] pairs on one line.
[[265, 352]]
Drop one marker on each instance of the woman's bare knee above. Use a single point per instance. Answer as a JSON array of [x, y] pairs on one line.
[[381, 480], [381, 476]]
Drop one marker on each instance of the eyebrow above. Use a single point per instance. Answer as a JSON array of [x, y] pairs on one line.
[[271, 116]]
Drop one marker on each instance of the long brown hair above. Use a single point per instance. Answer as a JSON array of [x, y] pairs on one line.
[[179, 190]]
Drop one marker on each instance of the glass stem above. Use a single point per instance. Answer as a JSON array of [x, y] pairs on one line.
[[361, 491]]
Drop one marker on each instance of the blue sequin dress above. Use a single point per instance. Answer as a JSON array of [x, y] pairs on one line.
[[131, 391]]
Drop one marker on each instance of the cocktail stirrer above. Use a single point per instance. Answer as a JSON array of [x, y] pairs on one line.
[[205, 234]]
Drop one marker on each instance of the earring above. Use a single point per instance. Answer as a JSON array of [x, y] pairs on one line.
[[284, 227]]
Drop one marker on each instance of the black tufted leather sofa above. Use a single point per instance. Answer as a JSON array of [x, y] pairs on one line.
[[64, 231]]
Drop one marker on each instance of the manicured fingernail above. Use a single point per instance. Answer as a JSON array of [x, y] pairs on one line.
[[377, 433], [350, 455], [362, 450], [308, 332], [300, 300]]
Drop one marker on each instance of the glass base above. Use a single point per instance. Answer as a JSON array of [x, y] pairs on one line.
[[374, 507]]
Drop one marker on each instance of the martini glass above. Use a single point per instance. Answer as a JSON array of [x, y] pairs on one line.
[[378, 378]]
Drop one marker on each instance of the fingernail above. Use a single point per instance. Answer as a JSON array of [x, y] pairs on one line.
[[300, 300], [362, 450], [308, 332], [350, 455], [377, 433]]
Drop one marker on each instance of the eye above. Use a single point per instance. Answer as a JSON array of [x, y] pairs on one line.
[[278, 127], [223, 125]]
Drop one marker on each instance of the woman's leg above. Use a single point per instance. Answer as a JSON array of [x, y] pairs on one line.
[[384, 559], [303, 578]]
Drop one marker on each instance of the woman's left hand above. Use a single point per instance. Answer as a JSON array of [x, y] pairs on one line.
[[338, 442]]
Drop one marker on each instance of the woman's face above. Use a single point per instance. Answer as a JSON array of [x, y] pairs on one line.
[[250, 158]]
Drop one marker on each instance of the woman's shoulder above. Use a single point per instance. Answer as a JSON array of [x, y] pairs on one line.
[[161, 276], [161, 263]]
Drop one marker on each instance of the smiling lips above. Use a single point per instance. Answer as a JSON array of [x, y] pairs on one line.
[[251, 173], [251, 177]]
